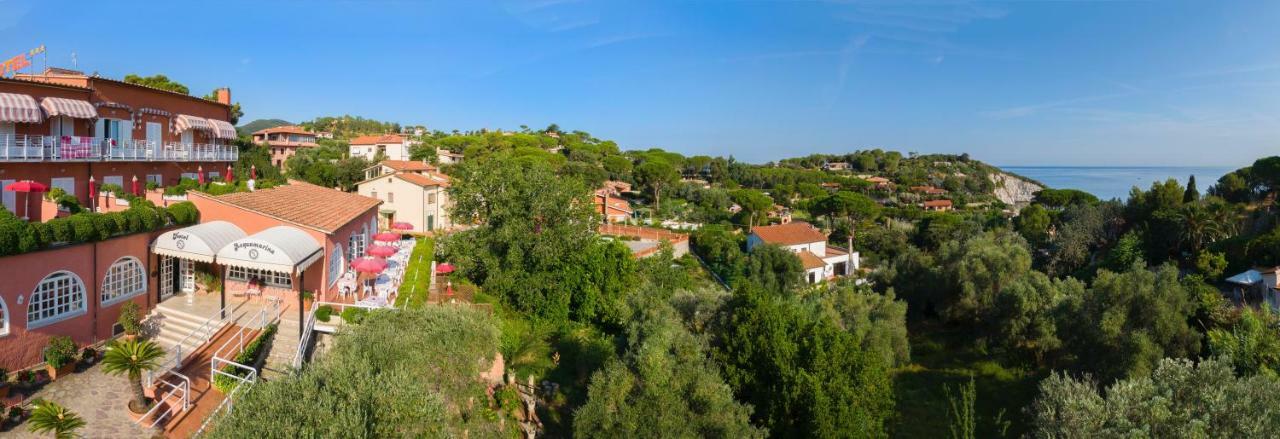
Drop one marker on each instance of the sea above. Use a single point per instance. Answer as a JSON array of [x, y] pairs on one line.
[[1107, 182]]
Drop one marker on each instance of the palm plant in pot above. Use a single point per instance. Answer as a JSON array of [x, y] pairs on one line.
[[60, 356], [132, 357], [49, 417]]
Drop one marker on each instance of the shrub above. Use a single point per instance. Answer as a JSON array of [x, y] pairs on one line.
[[70, 203], [105, 227], [10, 234], [88, 354], [248, 356], [54, 194], [61, 350], [323, 313], [134, 220], [354, 315], [184, 213], [151, 185], [82, 228], [118, 221], [43, 234], [61, 230], [130, 318]]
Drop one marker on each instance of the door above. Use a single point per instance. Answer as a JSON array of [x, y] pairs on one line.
[[153, 133], [188, 271], [9, 198], [167, 286], [188, 137], [431, 222], [66, 183]]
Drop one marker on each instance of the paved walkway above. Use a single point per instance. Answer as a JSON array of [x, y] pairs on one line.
[[98, 398]]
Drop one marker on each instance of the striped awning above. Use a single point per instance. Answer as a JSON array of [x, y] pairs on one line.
[[222, 129], [185, 122], [74, 108], [19, 108], [149, 110]]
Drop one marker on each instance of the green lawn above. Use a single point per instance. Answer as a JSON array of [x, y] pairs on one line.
[[417, 278], [943, 356]]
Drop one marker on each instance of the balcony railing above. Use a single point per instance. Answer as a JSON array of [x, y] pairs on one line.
[[29, 148]]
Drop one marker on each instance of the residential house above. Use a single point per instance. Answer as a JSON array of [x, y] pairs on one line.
[[284, 142], [387, 146], [821, 261], [618, 210], [447, 157], [647, 241], [419, 198], [928, 190], [936, 205], [394, 166], [780, 213], [835, 166], [1258, 284], [878, 182]]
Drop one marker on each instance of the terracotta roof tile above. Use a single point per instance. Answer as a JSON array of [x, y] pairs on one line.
[[370, 140], [810, 260], [431, 179], [304, 204], [284, 129], [937, 203], [407, 165], [795, 232]]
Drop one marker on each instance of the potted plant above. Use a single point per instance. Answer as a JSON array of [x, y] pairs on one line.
[[14, 414], [130, 319], [26, 379], [59, 356], [88, 356], [132, 357], [4, 382], [49, 417]]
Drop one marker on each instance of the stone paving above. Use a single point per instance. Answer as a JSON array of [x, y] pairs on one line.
[[98, 398]]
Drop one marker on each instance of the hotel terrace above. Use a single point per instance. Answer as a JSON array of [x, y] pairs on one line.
[[62, 127]]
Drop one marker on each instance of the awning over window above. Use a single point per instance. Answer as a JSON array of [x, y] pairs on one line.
[[281, 249], [183, 122], [74, 108], [200, 242], [19, 108], [222, 129]]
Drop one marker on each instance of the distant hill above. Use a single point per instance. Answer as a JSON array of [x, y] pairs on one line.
[[260, 124]]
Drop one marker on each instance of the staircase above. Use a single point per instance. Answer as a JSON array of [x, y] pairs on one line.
[[283, 348], [171, 326]]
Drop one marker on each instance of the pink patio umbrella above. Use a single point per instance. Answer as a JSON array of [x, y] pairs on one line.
[[386, 237], [136, 190], [253, 172], [27, 186], [400, 225], [230, 173], [93, 192], [444, 268], [381, 250], [369, 265]]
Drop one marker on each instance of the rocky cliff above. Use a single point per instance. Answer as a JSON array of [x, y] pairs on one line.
[[1012, 190]]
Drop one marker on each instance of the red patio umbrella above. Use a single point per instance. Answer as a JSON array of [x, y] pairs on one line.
[[27, 186], [444, 268], [381, 250], [93, 192], [136, 190], [369, 265], [400, 225], [230, 172], [386, 237], [200, 174]]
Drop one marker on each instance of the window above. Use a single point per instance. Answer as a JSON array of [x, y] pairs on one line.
[[58, 297], [125, 278], [272, 278], [337, 264], [155, 178], [355, 245], [391, 197], [4, 318], [374, 194], [431, 198]]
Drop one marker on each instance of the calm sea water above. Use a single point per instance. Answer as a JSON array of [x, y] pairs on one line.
[[1108, 182]]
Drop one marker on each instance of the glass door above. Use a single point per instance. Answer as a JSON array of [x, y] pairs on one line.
[[166, 277], [187, 268]]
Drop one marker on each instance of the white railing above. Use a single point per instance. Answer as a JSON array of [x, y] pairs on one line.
[[180, 391], [309, 324], [227, 403], [189, 344], [24, 147]]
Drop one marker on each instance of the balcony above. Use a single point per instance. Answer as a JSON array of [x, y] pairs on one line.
[[29, 148]]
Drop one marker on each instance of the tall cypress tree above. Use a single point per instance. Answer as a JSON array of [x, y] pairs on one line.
[[1191, 194]]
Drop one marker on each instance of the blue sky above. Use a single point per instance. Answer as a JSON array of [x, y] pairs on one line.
[[1013, 82]]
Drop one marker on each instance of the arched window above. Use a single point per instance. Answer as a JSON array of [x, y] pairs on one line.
[[125, 278], [4, 318], [59, 296], [337, 264]]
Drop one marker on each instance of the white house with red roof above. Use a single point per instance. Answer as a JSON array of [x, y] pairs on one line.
[[821, 261], [390, 146]]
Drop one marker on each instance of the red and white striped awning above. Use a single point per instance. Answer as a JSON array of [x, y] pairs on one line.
[[74, 108], [19, 108], [222, 129], [183, 122]]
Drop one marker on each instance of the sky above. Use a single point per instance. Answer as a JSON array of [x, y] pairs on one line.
[[1133, 83]]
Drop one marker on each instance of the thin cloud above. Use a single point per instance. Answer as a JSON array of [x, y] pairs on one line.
[[571, 25], [619, 39], [1028, 110]]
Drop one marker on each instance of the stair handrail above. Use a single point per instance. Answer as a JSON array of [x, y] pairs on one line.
[[174, 362], [184, 388]]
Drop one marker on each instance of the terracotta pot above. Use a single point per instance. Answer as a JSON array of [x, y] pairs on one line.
[[66, 369]]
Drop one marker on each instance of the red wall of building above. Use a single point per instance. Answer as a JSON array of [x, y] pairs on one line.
[[90, 261], [45, 172]]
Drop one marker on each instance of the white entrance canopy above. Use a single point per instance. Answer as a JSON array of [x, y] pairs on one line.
[[200, 242], [281, 249]]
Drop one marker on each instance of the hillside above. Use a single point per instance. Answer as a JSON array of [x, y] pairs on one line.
[[260, 124]]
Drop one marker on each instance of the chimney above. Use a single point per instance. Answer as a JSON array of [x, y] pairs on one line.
[[223, 95]]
